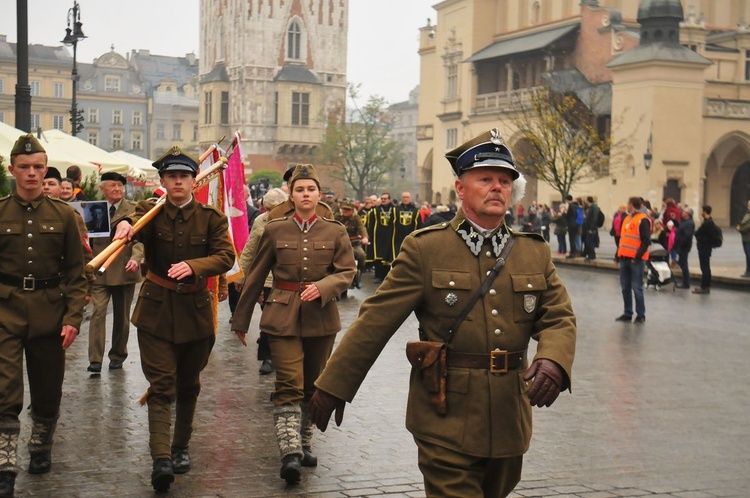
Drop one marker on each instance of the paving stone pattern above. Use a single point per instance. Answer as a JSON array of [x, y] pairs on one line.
[[658, 410]]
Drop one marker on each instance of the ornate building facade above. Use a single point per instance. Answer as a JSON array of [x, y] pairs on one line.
[[675, 75], [274, 70]]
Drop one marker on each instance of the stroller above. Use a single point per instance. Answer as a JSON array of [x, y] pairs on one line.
[[659, 272]]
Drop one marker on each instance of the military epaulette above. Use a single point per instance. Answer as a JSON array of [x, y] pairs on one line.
[[210, 207], [331, 220], [531, 235], [5, 198], [274, 220], [55, 199], [439, 226]]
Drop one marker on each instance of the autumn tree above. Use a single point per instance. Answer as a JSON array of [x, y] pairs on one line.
[[359, 148], [563, 141]]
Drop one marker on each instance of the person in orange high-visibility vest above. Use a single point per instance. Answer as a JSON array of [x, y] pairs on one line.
[[632, 253]]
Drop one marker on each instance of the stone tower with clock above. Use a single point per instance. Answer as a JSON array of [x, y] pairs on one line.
[[276, 71]]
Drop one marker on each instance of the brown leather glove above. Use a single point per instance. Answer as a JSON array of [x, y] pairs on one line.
[[322, 405], [548, 382]]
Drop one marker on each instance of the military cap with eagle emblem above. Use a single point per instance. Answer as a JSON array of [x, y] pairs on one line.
[[304, 172], [176, 160], [486, 150], [26, 144]]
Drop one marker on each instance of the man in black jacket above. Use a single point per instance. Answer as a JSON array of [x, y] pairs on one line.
[[591, 230], [705, 238], [683, 242]]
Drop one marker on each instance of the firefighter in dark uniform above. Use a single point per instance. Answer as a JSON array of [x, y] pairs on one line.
[[357, 236], [474, 447], [42, 295], [185, 244], [312, 263]]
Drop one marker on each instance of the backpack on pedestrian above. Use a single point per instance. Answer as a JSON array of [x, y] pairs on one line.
[[600, 218], [718, 238]]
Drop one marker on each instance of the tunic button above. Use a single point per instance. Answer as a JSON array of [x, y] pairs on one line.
[[29, 222], [304, 259], [495, 313], [488, 272], [304, 248], [489, 254], [30, 236], [31, 262], [31, 248], [305, 268], [304, 231], [179, 245], [286, 245], [7, 230], [451, 283], [529, 286], [493, 292], [180, 233], [498, 332], [305, 241], [28, 208]]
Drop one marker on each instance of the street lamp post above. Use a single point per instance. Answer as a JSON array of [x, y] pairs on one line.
[[72, 37]]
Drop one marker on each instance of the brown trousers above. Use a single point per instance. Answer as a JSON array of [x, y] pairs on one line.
[[298, 362], [122, 300], [449, 474], [45, 368], [172, 371]]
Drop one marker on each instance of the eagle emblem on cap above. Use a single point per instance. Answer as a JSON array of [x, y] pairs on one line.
[[175, 151], [305, 171], [27, 147], [496, 137]]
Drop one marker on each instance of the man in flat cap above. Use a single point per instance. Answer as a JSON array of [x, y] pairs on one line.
[[42, 293], [116, 283], [186, 243], [473, 425]]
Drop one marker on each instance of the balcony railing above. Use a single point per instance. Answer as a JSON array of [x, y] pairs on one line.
[[493, 102]]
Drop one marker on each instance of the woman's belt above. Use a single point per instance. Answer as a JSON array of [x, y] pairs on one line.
[[496, 361], [290, 286], [29, 283], [178, 287]]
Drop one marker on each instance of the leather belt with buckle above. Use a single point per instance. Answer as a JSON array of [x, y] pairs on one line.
[[30, 284], [497, 361], [178, 287], [290, 286]]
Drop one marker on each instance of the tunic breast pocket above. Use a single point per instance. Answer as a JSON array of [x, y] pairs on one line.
[[527, 290], [286, 252], [9, 231], [52, 236], [323, 252], [198, 246], [451, 291]]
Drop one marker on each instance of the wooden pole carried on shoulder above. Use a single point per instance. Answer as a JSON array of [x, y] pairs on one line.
[[102, 260]]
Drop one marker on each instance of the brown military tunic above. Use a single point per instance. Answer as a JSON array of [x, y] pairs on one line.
[[198, 235], [40, 239], [489, 415], [322, 256]]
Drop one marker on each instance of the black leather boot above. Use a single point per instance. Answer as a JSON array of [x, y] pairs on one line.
[[40, 463], [308, 459], [291, 469], [162, 475], [7, 484], [180, 460]]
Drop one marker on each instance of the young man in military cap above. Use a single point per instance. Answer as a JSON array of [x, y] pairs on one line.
[[474, 444], [117, 283], [186, 243], [42, 293]]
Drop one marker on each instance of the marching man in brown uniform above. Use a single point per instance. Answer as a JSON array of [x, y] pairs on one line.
[[472, 422], [312, 263], [185, 243], [357, 236], [42, 294], [117, 283]]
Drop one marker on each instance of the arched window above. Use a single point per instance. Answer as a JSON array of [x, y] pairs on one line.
[[293, 41], [536, 13]]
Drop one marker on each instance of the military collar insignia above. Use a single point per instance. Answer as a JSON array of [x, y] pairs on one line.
[[474, 239], [305, 225]]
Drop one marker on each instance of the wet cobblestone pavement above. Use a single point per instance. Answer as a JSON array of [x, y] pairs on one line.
[[658, 409]]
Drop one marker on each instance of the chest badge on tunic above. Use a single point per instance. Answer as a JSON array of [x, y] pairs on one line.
[[451, 299], [529, 303]]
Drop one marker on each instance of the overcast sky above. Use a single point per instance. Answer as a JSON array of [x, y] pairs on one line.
[[383, 34]]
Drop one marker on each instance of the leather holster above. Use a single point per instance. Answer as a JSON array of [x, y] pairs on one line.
[[429, 358]]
